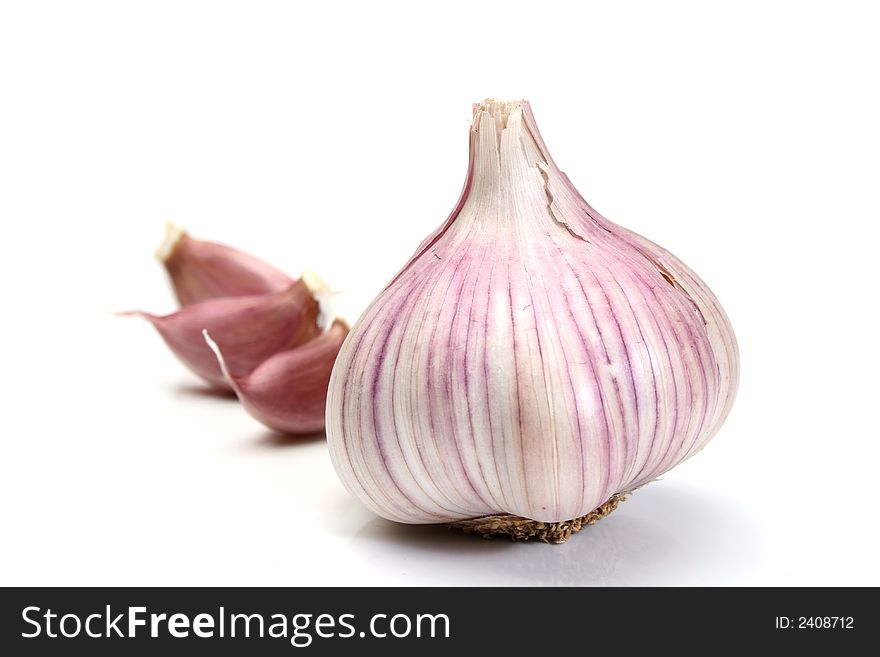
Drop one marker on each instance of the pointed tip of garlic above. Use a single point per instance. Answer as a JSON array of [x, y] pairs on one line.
[[324, 295], [134, 313], [173, 234]]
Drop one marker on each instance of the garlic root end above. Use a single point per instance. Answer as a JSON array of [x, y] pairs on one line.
[[524, 529]]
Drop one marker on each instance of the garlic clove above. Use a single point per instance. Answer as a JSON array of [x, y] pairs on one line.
[[532, 362], [288, 392], [200, 270], [251, 328]]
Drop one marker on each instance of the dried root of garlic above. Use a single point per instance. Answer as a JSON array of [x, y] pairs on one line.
[[523, 529]]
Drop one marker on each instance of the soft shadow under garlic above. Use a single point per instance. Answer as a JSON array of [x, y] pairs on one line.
[[205, 391], [665, 535], [274, 439]]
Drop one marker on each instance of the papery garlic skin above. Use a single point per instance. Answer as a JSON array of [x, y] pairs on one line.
[[251, 328], [532, 358], [201, 270], [288, 391]]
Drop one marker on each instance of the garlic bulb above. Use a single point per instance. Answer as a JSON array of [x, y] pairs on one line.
[[200, 270], [532, 362]]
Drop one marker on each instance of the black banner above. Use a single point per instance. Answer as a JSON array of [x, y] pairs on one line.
[[169, 621]]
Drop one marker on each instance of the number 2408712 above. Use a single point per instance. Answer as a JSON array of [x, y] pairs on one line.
[[815, 623]]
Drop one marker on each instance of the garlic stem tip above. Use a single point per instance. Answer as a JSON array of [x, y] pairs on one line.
[[173, 234], [323, 294], [498, 109]]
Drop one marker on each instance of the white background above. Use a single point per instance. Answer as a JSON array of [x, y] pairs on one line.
[[743, 137]]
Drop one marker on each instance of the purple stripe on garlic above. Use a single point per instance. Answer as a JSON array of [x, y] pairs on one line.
[[532, 358]]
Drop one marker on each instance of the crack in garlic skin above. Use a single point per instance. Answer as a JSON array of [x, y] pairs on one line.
[[532, 357]]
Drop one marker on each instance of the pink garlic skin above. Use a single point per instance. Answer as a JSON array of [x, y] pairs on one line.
[[251, 328], [532, 357], [288, 392], [200, 270]]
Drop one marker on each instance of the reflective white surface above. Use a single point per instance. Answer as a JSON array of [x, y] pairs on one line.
[[137, 475], [664, 537]]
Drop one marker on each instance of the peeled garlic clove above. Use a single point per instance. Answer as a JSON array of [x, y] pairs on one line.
[[251, 329], [288, 392], [532, 362], [201, 270]]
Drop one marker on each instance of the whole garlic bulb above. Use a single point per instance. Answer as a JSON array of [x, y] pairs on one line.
[[532, 362]]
